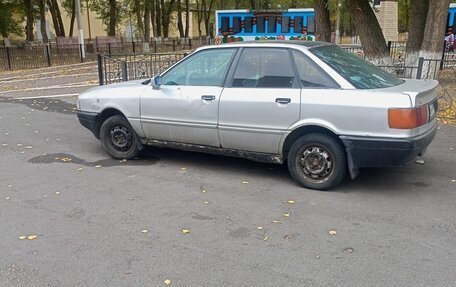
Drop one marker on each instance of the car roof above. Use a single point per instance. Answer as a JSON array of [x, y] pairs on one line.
[[272, 43]]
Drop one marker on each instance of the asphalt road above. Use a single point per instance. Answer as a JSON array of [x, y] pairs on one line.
[[103, 222]]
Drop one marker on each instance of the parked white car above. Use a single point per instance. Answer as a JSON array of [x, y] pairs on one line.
[[324, 111]]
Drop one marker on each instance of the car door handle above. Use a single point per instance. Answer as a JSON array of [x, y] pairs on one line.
[[283, 100], [208, 98]]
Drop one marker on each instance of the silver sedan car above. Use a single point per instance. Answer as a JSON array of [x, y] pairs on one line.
[[322, 110]]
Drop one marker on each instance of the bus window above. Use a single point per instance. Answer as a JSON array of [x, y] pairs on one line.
[[272, 24], [225, 24], [311, 24], [285, 24], [236, 24], [260, 24], [248, 27], [454, 23], [298, 24]]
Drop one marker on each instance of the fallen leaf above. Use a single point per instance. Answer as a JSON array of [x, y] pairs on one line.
[[22, 152], [36, 131], [8, 198], [124, 160], [167, 282], [349, 250], [245, 182], [22, 237], [286, 214], [28, 147], [185, 231], [144, 231], [203, 191], [10, 185], [98, 166], [32, 237], [265, 238], [291, 201], [58, 192], [44, 196], [206, 202], [332, 232], [183, 168], [453, 180], [260, 227], [276, 221], [19, 144], [79, 169], [4, 144]]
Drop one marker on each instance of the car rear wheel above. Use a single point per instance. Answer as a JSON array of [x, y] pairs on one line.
[[118, 138], [317, 161]]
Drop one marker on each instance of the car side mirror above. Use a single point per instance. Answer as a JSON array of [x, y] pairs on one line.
[[156, 82]]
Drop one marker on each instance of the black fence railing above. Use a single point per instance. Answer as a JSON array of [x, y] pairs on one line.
[[22, 56], [118, 68]]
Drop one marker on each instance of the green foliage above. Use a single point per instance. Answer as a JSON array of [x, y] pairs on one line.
[[10, 18]]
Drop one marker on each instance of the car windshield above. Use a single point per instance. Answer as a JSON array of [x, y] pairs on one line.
[[360, 73]]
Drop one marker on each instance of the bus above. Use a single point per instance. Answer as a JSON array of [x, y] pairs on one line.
[[451, 22], [247, 25]]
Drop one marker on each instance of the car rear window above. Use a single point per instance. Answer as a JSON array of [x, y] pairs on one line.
[[360, 73]]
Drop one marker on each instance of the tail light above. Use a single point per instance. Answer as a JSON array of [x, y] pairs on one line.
[[408, 118]]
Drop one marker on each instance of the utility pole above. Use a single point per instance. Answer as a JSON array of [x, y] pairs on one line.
[[80, 34]]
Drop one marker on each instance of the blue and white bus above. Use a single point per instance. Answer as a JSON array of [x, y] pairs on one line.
[[451, 23], [246, 25]]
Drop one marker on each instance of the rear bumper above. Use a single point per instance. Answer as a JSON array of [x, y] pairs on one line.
[[89, 121], [385, 152]]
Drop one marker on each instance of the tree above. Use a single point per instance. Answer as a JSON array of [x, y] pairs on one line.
[[434, 32], [167, 8], [370, 33], [180, 24], [323, 24], [8, 24], [110, 12], [41, 6], [417, 24], [30, 17], [187, 18], [56, 17]]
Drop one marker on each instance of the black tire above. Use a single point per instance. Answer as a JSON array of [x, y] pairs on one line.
[[118, 138], [317, 161]]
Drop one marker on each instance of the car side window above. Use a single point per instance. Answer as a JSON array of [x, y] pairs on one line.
[[205, 68], [264, 68], [310, 75]]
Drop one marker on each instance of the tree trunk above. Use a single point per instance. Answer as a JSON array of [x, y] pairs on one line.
[[207, 12], [252, 4], [147, 16], [418, 15], [139, 19], [237, 4], [112, 18], [187, 18], [167, 8], [323, 24], [180, 24], [158, 18], [56, 18], [370, 33], [41, 5], [29, 22], [434, 32], [199, 14], [73, 18]]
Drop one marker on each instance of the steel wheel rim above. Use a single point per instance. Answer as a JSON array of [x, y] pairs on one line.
[[316, 163], [120, 138]]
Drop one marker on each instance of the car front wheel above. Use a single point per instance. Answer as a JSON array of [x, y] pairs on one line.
[[317, 161], [118, 138]]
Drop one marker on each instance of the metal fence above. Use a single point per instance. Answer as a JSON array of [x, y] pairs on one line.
[[34, 56], [117, 68]]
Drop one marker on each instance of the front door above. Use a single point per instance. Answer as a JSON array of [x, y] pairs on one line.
[[185, 107]]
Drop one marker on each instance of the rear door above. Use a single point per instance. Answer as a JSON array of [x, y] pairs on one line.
[[260, 101]]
